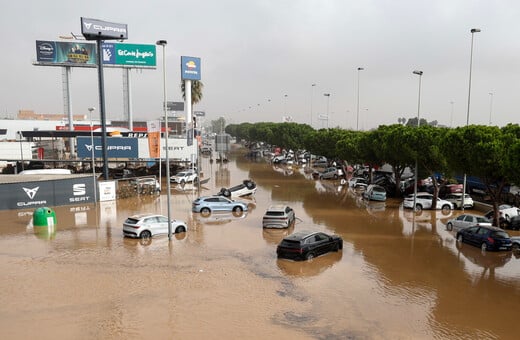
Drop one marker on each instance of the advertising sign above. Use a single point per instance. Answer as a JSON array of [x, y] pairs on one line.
[[154, 138], [107, 191], [190, 68], [30, 195], [117, 147], [175, 106], [129, 54], [60, 52], [94, 29]]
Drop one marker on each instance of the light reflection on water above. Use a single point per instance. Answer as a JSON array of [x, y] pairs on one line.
[[399, 275]]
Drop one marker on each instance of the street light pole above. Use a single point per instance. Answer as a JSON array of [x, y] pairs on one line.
[[419, 73], [473, 31], [163, 43], [328, 100], [92, 155], [357, 117], [451, 114], [312, 96], [490, 106], [285, 106]]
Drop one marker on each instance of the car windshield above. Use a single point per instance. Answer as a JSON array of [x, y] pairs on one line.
[[481, 220], [500, 234], [274, 213], [290, 243]]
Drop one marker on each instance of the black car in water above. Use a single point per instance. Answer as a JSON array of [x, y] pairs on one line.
[[487, 238], [305, 245]]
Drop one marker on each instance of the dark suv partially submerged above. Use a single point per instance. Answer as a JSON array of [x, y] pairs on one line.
[[305, 245]]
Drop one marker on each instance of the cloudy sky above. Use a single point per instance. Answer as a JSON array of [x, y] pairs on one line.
[[260, 58]]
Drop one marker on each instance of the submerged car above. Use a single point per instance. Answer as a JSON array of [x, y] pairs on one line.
[[424, 200], [305, 245], [246, 188], [148, 225], [467, 220], [209, 204], [184, 177], [456, 199], [375, 192], [506, 212], [515, 240], [328, 173], [358, 183], [487, 238], [278, 216]]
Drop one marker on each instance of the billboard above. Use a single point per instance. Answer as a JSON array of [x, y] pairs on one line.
[[94, 29], [60, 52], [129, 54], [64, 53], [190, 68], [117, 147], [34, 194]]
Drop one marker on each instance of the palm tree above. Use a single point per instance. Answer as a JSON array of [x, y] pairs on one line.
[[196, 91]]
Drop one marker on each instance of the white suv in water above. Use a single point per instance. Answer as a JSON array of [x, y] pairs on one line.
[[424, 201]]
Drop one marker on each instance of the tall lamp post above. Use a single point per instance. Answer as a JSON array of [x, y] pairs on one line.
[[490, 106], [357, 117], [328, 101], [92, 151], [163, 43], [419, 73], [312, 96], [451, 113], [285, 105], [473, 31]]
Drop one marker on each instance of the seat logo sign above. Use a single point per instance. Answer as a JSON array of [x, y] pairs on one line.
[[79, 189], [31, 192]]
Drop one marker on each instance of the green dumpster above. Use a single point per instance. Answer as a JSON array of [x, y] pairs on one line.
[[44, 217]]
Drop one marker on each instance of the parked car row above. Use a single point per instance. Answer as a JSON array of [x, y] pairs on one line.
[[424, 200]]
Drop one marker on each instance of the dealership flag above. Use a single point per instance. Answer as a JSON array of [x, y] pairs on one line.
[[154, 138]]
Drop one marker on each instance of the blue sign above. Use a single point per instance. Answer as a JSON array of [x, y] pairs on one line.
[[190, 68], [117, 147]]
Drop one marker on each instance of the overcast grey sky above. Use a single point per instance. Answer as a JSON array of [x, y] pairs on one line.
[[254, 52]]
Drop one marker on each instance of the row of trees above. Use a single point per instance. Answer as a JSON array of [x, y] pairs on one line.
[[488, 152]]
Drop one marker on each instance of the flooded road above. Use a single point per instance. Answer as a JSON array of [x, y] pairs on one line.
[[396, 278]]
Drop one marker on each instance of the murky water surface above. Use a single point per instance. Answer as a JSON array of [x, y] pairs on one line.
[[396, 278]]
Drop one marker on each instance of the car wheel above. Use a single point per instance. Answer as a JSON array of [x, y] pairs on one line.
[[483, 246], [205, 211], [237, 209], [515, 247], [446, 208], [309, 256], [180, 229], [146, 234], [449, 226], [418, 207]]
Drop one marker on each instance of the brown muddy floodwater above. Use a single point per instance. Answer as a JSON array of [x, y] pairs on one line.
[[396, 278]]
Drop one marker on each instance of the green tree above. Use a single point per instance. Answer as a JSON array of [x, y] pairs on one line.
[[196, 91], [486, 152]]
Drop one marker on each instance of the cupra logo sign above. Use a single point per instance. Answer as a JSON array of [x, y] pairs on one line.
[[31, 192]]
